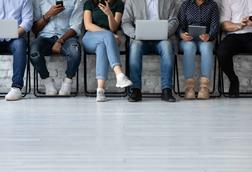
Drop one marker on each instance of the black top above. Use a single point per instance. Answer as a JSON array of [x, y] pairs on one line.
[[98, 17]]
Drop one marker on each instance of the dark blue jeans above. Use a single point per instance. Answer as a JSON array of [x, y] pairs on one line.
[[17, 47], [42, 47]]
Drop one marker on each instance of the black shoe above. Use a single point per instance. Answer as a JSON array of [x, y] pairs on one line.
[[135, 95], [234, 88], [167, 95]]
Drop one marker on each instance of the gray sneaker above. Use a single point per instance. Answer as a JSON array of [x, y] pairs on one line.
[[123, 82], [100, 95]]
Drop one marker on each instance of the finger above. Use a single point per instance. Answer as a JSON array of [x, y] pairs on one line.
[[107, 4], [101, 5], [57, 6], [102, 8]]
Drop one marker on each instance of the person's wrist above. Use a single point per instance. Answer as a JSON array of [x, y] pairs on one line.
[[238, 26], [46, 18], [60, 41], [110, 14]]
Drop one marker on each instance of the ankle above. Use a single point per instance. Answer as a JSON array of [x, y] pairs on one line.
[[120, 75]]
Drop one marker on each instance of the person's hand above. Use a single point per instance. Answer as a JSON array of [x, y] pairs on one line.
[[56, 48], [105, 8], [118, 39], [204, 37], [246, 22], [54, 10], [185, 36]]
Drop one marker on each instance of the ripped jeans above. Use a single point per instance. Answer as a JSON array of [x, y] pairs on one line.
[[42, 47]]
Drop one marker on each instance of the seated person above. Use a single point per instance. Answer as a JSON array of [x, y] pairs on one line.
[[155, 10], [22, 12], [236, 23], [199, 13], [101, 21], [57, 28]]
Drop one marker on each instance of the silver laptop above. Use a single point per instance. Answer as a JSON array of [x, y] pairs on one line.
[[151, 29], [8, 28]]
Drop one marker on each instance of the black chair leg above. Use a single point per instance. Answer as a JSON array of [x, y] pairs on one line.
[[93, 93], [39, 93]]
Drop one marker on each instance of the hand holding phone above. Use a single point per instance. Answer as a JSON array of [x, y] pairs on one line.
[[102, 2], [60, 2]]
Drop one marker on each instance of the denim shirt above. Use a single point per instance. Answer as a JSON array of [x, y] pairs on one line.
[[20, 10], [71, 17]]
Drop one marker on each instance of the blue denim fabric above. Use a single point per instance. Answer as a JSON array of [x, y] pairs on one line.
[[190, 48], [107, 52], [42, 47], [162, 48], [18, 48]]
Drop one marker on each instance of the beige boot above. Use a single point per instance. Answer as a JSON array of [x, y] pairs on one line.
[[189, 89], [204, 88]]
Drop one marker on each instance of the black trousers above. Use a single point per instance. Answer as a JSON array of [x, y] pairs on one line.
[[231, 45]]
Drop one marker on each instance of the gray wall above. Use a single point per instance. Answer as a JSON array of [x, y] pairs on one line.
[[150, 79]]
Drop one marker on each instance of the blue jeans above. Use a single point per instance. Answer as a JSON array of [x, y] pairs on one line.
[[42, 47], [162, 48], [190, 48], [18, 48], [104, 45]]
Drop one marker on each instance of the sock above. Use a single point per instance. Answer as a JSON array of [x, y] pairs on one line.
[[100, 90]]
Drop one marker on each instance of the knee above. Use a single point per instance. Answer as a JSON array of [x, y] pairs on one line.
[[74, 52], [108, 35], [136, 46], [189, 46], [35, 56], [19, 44], [206, 47], [166, 47]]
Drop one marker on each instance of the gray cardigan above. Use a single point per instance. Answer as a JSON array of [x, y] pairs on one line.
[[136, 10]]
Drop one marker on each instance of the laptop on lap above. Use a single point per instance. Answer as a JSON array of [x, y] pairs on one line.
[[8, 29], [151, 29]]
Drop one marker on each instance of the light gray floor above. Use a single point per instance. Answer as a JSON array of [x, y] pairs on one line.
[[80, 135]]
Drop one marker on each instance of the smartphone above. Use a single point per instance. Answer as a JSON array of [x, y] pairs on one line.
[[250, 18], [102, 2], [60, 3]]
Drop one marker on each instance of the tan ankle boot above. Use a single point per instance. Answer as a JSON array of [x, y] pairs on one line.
[[189, 89], [204, 88]]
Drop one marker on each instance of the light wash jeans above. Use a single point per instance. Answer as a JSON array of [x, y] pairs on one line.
[[162, 48], [104, 45], [18, 48], [190, 48]]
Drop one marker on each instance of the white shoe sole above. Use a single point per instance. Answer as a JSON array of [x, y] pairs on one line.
[[64, 94], [123, 86], [51, 94], [12, 99]]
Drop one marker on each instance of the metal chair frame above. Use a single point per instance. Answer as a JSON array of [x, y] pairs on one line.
[[28, 75]]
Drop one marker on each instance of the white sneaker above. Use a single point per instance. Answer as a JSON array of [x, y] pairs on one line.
[[100, 96], [66, 87], [50, 87], [14, 94], [122, 81]]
